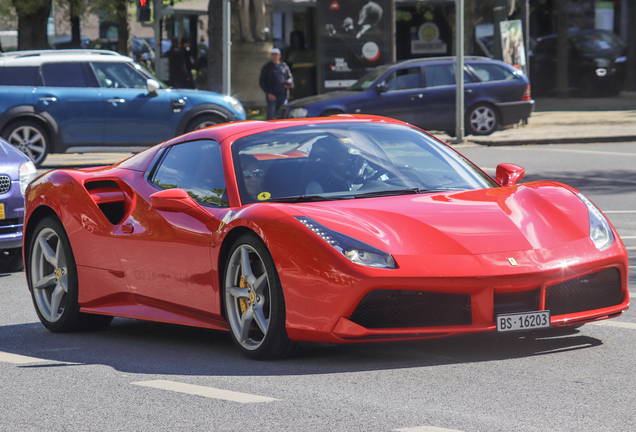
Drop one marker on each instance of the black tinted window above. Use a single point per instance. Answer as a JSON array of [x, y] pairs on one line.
[[63, 75], [19, 76], [197, 168]]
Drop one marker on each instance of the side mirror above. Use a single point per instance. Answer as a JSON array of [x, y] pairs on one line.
[[153, 86], [509, 174], [172, 200], [382, 88]]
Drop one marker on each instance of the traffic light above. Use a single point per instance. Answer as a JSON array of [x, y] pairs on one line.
[[143, 10]]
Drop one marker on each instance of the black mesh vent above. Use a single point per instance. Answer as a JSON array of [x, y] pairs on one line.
[[595, 291], [396, 309], [524, 301]]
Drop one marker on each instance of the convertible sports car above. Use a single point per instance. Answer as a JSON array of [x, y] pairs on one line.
[[339, 229]]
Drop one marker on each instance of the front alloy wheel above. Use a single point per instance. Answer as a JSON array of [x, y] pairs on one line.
[[254, 302]]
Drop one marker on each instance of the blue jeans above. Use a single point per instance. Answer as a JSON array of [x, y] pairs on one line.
[[272, 106]]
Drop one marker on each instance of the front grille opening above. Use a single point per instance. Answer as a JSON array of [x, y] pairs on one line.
[[114, 212], [595, 291], [523, 301], [402, 309]]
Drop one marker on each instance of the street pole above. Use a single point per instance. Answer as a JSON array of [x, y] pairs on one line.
[[227, 47], [459, 71], [156, 26]]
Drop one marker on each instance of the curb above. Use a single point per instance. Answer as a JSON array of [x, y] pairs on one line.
[[545, 141]]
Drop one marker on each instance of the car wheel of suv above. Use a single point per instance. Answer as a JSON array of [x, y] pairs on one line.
[[482, 119], [11, 260], [30, 138], [203, 121]]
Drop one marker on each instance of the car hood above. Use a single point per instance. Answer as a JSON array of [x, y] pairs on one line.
[[520, 218], [324, 97]]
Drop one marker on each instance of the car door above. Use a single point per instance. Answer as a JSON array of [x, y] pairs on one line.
[[166, 255], [436, 107], [132, 115], [69, 95], [395, 95]]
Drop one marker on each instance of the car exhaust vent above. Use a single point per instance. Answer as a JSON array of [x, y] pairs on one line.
[[399, 309], [110, 199], [595, 291], [524, 301]]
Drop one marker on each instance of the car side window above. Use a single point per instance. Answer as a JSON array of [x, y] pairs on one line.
[[64, 75], [19, 75], [118, 75], [439, 75], [197, 168], [492, 72], [404, 79]]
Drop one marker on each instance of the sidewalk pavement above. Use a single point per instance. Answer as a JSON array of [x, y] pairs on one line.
[[572, 120]]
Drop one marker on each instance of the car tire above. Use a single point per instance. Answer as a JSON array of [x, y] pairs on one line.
[[53, 283], [30, 138], [203, 121], [482, 119], [11, 260], [331, 112], [254, 302]]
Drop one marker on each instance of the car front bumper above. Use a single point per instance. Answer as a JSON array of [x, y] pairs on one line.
[[12, 223]]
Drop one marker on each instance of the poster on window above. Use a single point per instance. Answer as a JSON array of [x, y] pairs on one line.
[[355, 36], [512, 47]]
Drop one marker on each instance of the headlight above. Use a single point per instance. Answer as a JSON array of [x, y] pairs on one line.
[[355, 250], [600, 231], [235, 104], [602, 62], [298, 113], [27, 173]]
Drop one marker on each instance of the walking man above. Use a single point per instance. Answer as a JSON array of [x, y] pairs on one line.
[[276, 80]]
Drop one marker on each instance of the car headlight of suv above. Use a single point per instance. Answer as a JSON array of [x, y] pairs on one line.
[[27, 174], [356, 251], [298, 113], [235, 104], [602, 62], [600, 231]]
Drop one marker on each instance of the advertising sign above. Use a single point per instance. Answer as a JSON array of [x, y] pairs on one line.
[[355, 36], [512, 47], [428, 40]]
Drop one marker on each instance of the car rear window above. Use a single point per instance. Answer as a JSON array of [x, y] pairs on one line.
[[19, 76], [492, 72], [63, 75]]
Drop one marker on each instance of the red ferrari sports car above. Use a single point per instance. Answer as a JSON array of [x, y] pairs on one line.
[[339, 229]]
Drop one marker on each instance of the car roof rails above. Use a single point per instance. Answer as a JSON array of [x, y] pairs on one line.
[[35, 53]]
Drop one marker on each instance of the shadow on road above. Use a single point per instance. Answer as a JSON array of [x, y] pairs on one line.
[[151, 348], [593, 182]]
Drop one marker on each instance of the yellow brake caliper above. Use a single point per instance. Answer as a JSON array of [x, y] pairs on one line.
[[243, 302]]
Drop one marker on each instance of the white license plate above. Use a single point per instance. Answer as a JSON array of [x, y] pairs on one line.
[[523, 321]]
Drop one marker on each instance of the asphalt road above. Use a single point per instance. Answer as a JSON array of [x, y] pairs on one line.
[[153, 377]]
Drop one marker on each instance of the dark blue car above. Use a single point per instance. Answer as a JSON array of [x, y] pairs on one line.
[[77, 101], [422, 92], [16, 172]]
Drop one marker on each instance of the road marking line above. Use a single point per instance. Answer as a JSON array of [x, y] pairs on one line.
[[19, 359], [632, 294], [619, 211], [426, 429], [630, 326], [585, 151], [204, 391], [630, 247], [627, 237]]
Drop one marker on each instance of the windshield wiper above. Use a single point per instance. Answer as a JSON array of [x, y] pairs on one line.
[[304, 198], [381, 193]]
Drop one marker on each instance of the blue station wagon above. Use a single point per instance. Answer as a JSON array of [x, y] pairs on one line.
[[422, 92], [77, 101]]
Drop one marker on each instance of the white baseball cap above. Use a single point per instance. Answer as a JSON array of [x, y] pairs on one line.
[[275, 51]]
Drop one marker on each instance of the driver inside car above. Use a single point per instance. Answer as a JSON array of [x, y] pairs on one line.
[[336, 167]]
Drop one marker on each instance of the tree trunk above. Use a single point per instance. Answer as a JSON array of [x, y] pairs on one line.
[[123, 30], [33, 16], [630, 78], [562, 81], [74, 7], [215, 48]]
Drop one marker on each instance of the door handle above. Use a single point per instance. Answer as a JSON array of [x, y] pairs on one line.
[[127, 228], [117, 100], [419, 96], [468, 90], [48, 99]]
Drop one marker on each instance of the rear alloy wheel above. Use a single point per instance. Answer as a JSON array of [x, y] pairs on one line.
[[30, 138], [482, 120], [203, 121], [53, 281], [11, 260], [254, 303]]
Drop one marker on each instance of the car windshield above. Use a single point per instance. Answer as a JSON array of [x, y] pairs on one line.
[[348, 160], [597, 41], [364, 82]]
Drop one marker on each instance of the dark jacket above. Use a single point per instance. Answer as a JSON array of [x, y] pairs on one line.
[[276, 78]]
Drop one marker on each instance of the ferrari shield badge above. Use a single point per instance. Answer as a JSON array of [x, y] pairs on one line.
[[513, 262]]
